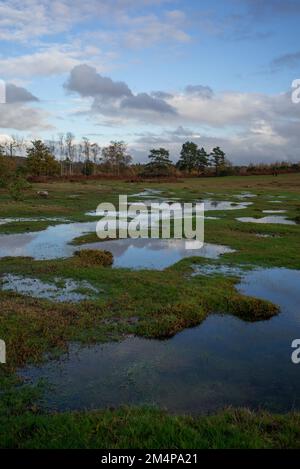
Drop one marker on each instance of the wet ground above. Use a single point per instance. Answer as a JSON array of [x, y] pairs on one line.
[[60, 290], [53, 243], [6, 221], [156, 253], [209, 205], [222, 362], [277, 220]]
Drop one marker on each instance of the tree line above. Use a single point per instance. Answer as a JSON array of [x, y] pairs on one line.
[[64, 156], [192, 160]]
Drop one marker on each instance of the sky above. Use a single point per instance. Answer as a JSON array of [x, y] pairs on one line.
[[154, 73]]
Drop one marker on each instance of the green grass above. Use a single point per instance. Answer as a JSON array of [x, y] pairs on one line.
[[23, 425], [163, 303], [31, 327], [133, 428]]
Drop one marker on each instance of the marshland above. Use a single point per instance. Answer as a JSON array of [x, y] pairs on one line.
[[142, 343]]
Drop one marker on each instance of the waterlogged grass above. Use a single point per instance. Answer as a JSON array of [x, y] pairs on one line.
[[149, 428], [164, 303], [156, 304], [87, 238], [23, 425]]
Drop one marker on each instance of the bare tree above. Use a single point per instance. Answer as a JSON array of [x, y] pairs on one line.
[[116, 156], [86, 148], [95, 151], [15, 142], [70, 150], [61, 151]]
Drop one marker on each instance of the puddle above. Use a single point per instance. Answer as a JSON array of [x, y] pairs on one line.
[[271, 219], [209, 205], [223, 362], [274, 211], [5, 221], [147, 193], [245, 195], [156, 253], [60, 290], [210, 269], [53, 243], [143, 216], [265, 235]]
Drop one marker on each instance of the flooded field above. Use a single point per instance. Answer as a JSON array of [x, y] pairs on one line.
[[189, 331], [54, 242], [271, 219], [60, 290], [156, 253], [223, 362]]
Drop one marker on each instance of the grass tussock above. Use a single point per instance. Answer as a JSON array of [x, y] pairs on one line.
[[251, 309], [170, 319], [91, 257]]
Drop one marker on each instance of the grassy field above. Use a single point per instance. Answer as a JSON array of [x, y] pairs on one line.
[[129, 304]]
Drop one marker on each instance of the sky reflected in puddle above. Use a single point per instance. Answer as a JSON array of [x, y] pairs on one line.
[[53, 243], [222, 362], [277, 220], [156, 253]]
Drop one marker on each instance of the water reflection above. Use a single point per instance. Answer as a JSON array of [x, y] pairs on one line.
[[156, 253], [53, 243], [224, 361], [277, 220]]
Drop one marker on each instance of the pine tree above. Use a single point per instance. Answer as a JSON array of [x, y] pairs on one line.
[[202, 160], [188, 157], [160, 163], [40, 161], [218, 159]]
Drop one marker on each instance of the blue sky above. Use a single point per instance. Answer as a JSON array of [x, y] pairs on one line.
[[223, 70]]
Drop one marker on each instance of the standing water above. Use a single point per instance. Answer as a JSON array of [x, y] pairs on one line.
[[222, 362]]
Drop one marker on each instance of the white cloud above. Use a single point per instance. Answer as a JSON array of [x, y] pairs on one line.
[[234, 108], [53, 60], [21, 20], [20, 117], [250, 127]]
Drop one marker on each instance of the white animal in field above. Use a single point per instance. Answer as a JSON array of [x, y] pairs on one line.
[[43, 193]]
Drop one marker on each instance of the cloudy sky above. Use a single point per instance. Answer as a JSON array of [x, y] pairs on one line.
[[154, 73]]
